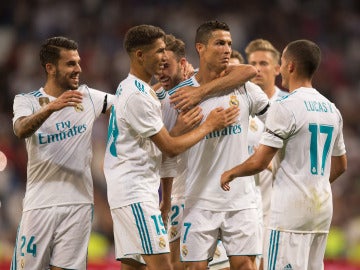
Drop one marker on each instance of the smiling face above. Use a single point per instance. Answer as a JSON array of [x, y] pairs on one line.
[[172, 73], [216, 53], [67, 70]]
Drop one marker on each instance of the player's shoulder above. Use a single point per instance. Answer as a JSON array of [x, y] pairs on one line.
[[33, 94], [161, 93], [279, 93], [252, 87], [188, 82]]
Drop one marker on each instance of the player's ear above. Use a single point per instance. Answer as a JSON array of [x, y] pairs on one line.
[[291, 66], [199, 47], [50, 68], [277, 69], [139, 54]]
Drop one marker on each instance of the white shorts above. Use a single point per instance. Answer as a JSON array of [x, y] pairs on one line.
[[176, 215], [57, 236], [260, 215], [139, 229], [220, 260], [289, 250], [239, 231]]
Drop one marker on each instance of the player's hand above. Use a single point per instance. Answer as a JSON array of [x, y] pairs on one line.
[[186, 97], [67, 99], [188, 70], [187, 120], [226, 178], [220, 118]]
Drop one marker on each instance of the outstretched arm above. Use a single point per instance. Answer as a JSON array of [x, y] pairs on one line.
[[253, 165], [234, 76], [26, 126]]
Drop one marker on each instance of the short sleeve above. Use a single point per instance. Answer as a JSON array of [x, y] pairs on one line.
[[102, 101], [259, 101], [22, 107], [279, 125], [144, 114], [168, 167], [339, 144]]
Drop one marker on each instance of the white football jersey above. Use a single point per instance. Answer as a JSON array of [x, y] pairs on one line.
[[221, 150], [60, 151], [307, 129], [264, 179], [132, 160], [177, 166]]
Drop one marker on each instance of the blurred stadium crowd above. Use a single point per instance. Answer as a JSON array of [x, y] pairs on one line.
[[99, 26]]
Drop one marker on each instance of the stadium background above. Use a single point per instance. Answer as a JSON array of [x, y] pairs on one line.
[[99, 27]]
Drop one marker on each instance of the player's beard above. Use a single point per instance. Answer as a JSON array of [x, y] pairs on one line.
[[65, 81]]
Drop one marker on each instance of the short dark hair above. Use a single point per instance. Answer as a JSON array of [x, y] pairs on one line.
[[204, 31], [142, 35], [177, 46], [50, 49], [306, 54], [236, 54]]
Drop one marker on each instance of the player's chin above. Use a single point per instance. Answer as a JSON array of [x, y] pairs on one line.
[[74, 86], [257, 81]]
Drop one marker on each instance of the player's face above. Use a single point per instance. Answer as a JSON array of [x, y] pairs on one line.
[[284, 71], [267, 66], [172, 73], [216, 53], [68, 70], [155, 57]]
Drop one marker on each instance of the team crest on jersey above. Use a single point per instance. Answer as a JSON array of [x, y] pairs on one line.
[[217, 253], [253, 126], [173, 232], [184, 250], [162, 243], [43, 101], [22, 263], [153, 94], [79, 107], [234, 101]]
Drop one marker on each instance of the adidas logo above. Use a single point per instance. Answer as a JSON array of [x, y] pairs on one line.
[[288, 267]]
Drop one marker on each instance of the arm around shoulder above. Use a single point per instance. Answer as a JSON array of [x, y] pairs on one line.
[[234, 76]]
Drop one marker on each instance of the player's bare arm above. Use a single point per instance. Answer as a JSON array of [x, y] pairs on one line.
[[338, 167], [27, 125], [256, 163], [218, 118], [234, 76], [165, 204]]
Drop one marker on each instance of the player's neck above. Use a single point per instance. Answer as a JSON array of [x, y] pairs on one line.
[[269, 90], [203, 77], [141, 74], [293, 85], [52, 89]]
